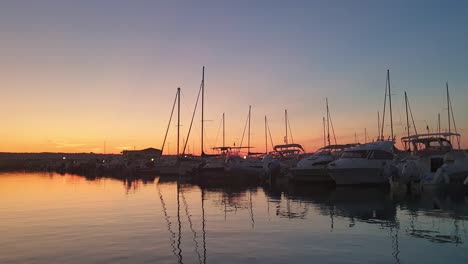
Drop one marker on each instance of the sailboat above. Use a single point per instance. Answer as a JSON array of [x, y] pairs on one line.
[[174, 165], [370, 163], [314, 168], [433, 160], [250, 165]]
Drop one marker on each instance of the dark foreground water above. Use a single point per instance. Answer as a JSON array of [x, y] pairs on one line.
[[50, 218]]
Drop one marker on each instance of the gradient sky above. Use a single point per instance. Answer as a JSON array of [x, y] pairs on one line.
[[74, 74]]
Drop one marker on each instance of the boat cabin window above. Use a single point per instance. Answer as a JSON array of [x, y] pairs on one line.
[[380, 154], [353, 154]]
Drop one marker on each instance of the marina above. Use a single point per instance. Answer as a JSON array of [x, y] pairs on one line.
[[233, 132]]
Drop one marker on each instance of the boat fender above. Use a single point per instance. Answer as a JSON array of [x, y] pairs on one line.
[[466, 181]]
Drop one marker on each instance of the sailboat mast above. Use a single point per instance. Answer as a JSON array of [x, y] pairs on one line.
[[286, 125], [178, 120], [248, 136], [266, 136], [407, 119], [324, 134], [438, 123], [448, 107], [378, 125], [328, 122], [202, 110], [390, 102], [224, 135]]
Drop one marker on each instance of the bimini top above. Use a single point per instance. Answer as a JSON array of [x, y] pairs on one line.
[[280, 148], [428, 135], [378, 145], [338, 147]]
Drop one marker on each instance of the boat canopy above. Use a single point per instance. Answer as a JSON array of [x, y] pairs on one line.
[[378, 145], [428, 136], [281, 148], [338, 147]]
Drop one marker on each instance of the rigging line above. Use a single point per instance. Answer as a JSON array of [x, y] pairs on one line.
[[169, 224], [168, 125], [290, 132], [454, 125], [205, 135], [271, 138], [333, 129], [383, 114], [191, 226], [243, 133], [217, 134], [412, 118], [191, 122]]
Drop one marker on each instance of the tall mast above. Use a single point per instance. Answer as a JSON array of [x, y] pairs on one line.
[[328, 122], [224, 135], [390, 101], [202, 109], [407, 119], [178, 120], [378, 125], [448, 107], [286, 125], [248, 136], [266, 136], [324, 134], [365, 135], [438, 123]]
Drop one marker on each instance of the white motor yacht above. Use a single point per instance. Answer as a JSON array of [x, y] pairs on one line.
[[314, 168], [426, 156], [371, 163]]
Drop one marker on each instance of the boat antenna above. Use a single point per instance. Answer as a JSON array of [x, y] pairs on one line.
[[390, 103], [169, 124]]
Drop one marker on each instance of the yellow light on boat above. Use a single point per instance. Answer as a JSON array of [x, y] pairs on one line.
[[245, 157]]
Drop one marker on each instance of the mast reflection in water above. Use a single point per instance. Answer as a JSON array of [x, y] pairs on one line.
[[55, 218]]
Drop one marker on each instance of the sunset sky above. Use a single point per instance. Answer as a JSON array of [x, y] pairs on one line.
[[76, 74]]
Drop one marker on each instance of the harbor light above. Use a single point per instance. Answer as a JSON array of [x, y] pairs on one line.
[[64, 158], [152, 159]]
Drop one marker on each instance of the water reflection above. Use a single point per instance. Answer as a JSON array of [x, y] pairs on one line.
[[194, 222]]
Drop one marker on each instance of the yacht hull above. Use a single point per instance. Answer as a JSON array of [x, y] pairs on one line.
[[318, 175], [359, 176]]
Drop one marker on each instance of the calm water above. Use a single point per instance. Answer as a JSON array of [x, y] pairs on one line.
[[51, 218]]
